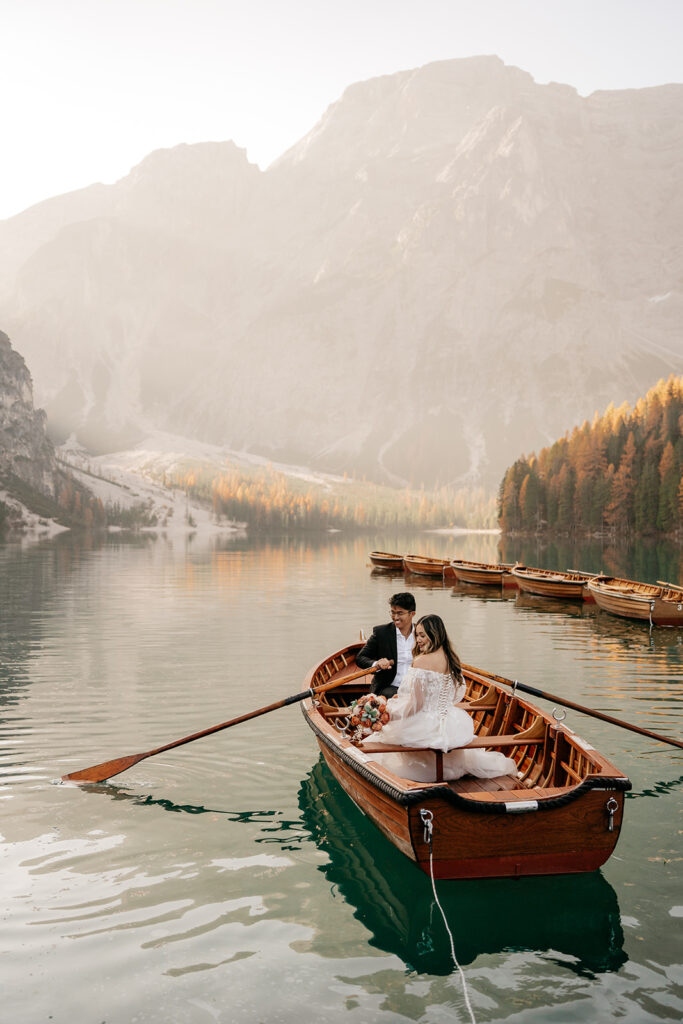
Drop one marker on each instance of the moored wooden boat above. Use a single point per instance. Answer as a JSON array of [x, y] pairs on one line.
[[562, 814], [421, 565], [660, 605], [548, 583], [488, 574], [386, 560]]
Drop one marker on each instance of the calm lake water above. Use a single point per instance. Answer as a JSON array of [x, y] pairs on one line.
[[231, 880]]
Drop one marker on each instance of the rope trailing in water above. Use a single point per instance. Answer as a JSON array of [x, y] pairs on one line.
[[427, 818]]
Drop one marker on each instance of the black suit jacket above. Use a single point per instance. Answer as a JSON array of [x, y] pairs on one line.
[[382, 644]]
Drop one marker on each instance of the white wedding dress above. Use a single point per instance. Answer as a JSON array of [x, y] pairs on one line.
[[425, 713]]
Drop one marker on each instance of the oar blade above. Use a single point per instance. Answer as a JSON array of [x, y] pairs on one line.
[[106, 770]]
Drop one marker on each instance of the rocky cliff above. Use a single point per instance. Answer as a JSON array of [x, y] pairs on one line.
[[455, 266], [25, 450]]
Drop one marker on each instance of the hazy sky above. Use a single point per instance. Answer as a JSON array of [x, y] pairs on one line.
[[90, 87]]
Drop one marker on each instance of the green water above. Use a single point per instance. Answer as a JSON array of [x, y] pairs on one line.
[[231, 879]]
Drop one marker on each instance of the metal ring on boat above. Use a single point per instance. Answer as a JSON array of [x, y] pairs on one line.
[[427, 818], [559, 716]]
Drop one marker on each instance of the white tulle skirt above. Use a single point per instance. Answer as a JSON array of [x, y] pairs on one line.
[[484, 764]]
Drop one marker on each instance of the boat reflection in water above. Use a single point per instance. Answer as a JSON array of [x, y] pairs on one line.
[[386, 574], [554, 606], [414, 580], [479, 592], [575, 916]]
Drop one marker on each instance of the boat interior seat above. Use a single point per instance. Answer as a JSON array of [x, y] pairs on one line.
[[470, 784]]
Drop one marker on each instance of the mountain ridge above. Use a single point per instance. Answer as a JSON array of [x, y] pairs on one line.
[[454, 266]]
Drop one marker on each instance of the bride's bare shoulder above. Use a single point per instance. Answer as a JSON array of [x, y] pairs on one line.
[[435, 661]]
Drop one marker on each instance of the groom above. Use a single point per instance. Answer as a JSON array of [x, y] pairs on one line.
[[390, 647]]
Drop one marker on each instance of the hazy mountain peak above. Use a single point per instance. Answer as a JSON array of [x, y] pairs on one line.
[[454, 266], [214, 155], [191, 189], [392, 115]]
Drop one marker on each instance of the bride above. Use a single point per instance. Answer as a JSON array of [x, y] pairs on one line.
[[425, 713]]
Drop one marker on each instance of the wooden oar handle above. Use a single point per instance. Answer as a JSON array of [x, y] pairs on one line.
[[671, 586], [294, 699]]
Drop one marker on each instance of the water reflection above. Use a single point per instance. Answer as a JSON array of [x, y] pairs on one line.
[[632, 640], [216, 858], [482, 593], [573, 920], [543, 605], [657, 789], [576, 916], [377, 573], [642, 559], [415, 581]]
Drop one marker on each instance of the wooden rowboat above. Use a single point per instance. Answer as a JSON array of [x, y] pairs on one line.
[[658, 605], [562, 814], [547, 583], [423, 566], [386, 560], [488, 574]]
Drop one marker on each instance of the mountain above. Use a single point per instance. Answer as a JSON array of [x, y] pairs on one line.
[[454, 266]]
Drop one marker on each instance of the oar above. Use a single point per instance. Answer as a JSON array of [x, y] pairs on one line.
[[106, 770], [575, 707], [672, 586]]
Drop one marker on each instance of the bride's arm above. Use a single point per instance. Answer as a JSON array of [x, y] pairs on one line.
[[460, 690], [410, 696]]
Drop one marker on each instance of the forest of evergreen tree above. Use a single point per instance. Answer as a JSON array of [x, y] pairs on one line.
[[620, 474]]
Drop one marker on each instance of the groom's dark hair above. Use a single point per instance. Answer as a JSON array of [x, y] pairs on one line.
[[403, 600]]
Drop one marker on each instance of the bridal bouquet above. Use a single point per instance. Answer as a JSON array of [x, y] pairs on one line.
[[368, 714]]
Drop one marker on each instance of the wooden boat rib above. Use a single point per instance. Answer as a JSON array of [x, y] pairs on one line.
[[661, 605], [548, 583], [562, 814], [489, 574], [421, 565], [386, 560]]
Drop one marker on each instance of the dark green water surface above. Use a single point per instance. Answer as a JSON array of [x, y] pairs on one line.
[[231, 880]]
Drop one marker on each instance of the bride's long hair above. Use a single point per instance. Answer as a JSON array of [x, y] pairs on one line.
[[438, 637]]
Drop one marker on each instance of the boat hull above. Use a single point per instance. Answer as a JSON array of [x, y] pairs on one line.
[[384, 560], [484, 575], [563, 589], [643, 607], [425, 566], [511, 846]]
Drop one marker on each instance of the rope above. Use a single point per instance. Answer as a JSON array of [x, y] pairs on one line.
[[427, 818]]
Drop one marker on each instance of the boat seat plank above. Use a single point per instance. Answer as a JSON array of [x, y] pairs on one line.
[[478, 742], [504, 741], [471, 784]]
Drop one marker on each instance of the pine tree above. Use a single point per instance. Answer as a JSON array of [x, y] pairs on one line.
[[669, 475]]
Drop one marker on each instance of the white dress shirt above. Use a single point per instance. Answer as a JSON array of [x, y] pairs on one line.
[[404, 655]]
